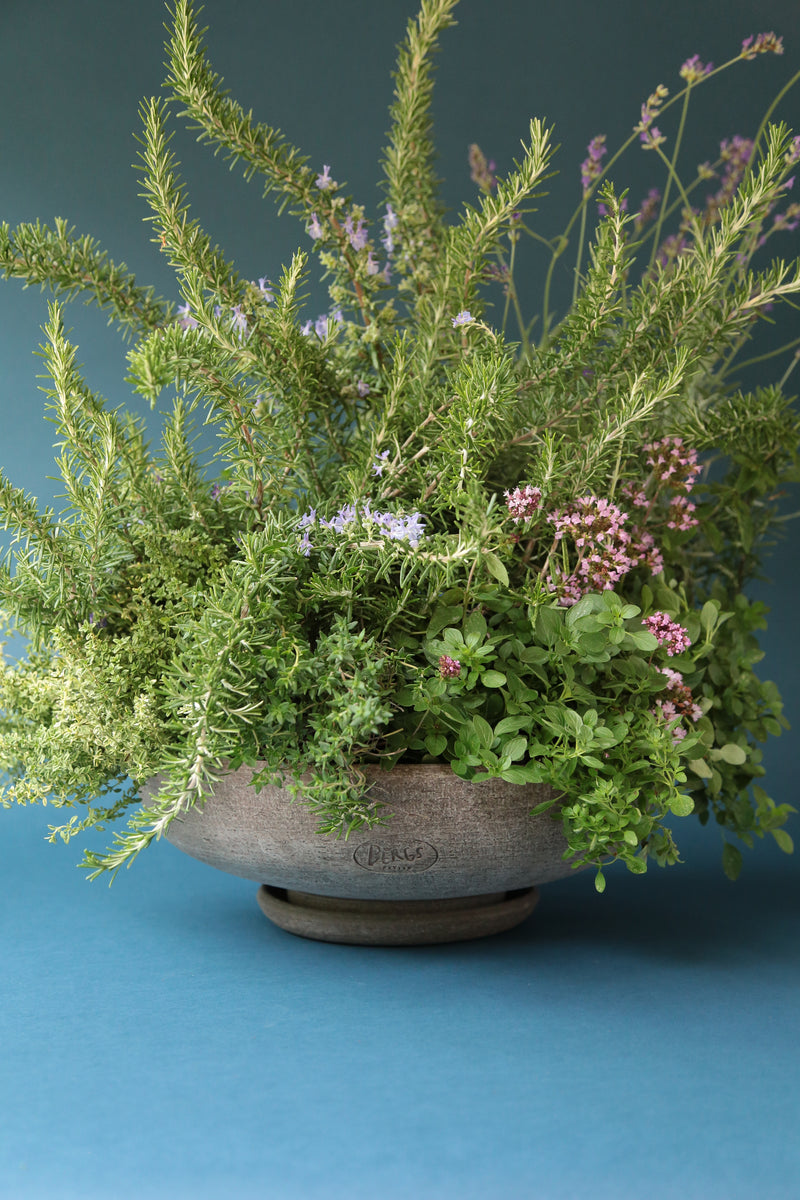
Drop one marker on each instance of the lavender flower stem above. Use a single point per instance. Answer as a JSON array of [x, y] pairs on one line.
[[765, 121], [581, 239], [672, 175]]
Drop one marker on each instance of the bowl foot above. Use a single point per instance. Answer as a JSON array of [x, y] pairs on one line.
[[395, 922]]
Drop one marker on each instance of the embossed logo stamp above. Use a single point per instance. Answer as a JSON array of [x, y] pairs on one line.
[[396, 857]]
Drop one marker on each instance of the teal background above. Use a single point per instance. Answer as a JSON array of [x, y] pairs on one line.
[[160, 1039]]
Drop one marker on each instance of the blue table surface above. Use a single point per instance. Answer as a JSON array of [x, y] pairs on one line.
[[161, 1039]]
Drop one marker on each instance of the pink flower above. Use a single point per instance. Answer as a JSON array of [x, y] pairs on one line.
[[645, 552], [591, 519], [673, 463], [523, 501], [607, 551], [668, 633], [449, 668], [680, 512], [677, 703], [568, 588], [636, 496]]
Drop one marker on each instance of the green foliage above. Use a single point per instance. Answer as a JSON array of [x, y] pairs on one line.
[[55, 258], [411, 186], [409, 542]]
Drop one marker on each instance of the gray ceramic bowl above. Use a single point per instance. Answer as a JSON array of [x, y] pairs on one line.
[[455, 860]]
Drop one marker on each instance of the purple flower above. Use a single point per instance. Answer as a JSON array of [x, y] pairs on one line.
[[324, 324], [305, 546], [324, 180], [185, 318], [390, 525], [363, 388], [736, 153], [390, 223], [736, 150], [671, 248], [623, 207], [788, 220], [649, 113], [397, 528], [764, 43], [651, 137], [357, 234], [481, 171], [590, 167], [239, 320], [462, 318], [344, 517], [314, 230], [409, 528], [693, 70], [380, 463], [647, 210], [265, 289], [372, 264]]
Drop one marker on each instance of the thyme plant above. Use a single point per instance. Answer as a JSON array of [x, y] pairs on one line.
[[422, 536]]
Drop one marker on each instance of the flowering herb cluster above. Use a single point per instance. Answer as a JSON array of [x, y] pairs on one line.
[[421, 537], [380, 524]]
